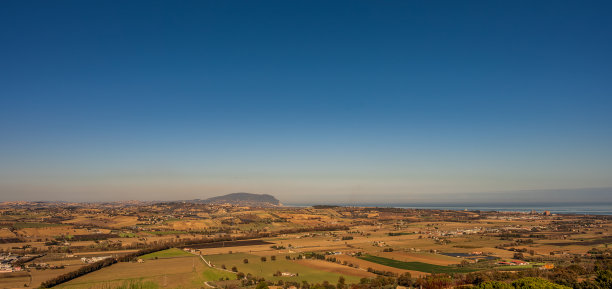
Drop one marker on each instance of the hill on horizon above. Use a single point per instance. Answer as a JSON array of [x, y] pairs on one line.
[[247, 199]]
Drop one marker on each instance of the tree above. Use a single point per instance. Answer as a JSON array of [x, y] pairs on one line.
[[245, 261], [240, 275], [536, 283], [341, 283], [494, 285], [405, 280], [435, 281], [262, 285], [604, 279], [273, 258], [264, 259], [234, 269]]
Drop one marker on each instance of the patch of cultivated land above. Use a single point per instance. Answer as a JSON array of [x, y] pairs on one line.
[[179, 272], [104, 253], [229, 244], [364, 264], [336, 268], [23, 225], [416, 266], [6, 233], [421, 257], [267, 269], [170, 253], [50, 231], [192, 224], [14, 280], [39, 276], [31, 279], [112, 222]]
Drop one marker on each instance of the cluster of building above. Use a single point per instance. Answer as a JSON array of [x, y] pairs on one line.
[[6, 263], [513, 263], [94, 259]]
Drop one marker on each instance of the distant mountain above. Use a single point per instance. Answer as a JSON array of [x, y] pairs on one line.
[[244, 199]]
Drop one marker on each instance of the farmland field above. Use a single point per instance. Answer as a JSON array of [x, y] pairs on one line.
[[239, 243], [34, 225], [14, 279], [266, 269], [416, 266], [367, 264], [179, 272], [172, 252], [429, 258]]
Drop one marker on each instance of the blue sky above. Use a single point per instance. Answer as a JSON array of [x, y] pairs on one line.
[[354, 101]]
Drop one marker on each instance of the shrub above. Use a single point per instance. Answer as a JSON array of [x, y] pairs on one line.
[[536, 283], [494, 285]]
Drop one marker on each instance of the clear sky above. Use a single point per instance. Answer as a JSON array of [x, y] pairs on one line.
[[311, 101]]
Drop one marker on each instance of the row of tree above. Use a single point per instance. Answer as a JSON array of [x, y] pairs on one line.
[[79, 272]]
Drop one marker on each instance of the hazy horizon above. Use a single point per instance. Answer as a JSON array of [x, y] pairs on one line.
[[307, 101], [581, 196]]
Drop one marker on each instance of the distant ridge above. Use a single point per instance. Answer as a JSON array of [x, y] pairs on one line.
[[244, 199]]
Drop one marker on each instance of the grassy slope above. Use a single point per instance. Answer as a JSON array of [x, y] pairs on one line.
[[415, 266], [172, 252], [211, 274], [182, 272]]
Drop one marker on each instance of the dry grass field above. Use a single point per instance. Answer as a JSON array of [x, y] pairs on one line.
[[104, 221], [14, 280], [6, 233]]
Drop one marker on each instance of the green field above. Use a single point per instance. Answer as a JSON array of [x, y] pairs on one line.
[[211, 274], [415, 266], [181, 272], [267, 269], [169, 253]]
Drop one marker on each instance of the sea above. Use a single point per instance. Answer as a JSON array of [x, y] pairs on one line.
[[578, 209]]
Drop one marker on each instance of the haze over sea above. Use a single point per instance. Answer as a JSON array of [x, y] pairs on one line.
[[580, 209]]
